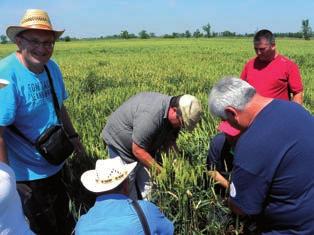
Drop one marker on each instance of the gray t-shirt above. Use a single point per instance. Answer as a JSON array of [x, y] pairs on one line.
[[143, 120]]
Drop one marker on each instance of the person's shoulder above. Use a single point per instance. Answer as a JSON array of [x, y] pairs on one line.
[[251, 60], [146, 203], [8, 63], [219, 137], [54, 68], [249, 63], [286, 60], [52, 64], [286, 105], [149, 206], [153, 95]]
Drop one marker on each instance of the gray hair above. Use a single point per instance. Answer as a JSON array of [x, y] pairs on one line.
[[229, 92]]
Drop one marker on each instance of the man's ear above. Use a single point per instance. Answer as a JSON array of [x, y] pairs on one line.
[[18, 42], [232, 114], [173, 111]]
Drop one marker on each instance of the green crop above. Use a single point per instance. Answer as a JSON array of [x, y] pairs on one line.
[[101, 75]]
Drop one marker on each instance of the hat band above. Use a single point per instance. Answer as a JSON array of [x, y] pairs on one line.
[[36, 18], [38, 26], [108, 181]]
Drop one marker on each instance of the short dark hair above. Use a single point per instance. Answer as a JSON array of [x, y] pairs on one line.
[[264, 33], [174, 102]]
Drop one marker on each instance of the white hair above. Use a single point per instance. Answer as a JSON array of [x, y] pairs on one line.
[[229, 92]]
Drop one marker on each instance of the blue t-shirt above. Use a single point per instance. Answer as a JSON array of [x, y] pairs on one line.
[[28, 104], [114, 214], [273, 172]]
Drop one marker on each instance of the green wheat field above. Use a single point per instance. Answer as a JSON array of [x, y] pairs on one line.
[[100, 75]]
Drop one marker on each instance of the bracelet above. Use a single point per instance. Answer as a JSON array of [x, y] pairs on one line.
[[75, 135]]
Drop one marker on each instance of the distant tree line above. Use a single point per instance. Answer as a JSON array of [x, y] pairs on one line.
[[305, 32]]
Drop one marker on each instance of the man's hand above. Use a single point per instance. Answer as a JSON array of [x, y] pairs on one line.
[[298, 98], [145, 158], [219, 178]]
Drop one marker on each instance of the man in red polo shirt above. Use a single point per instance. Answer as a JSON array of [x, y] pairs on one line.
[[272, 74]]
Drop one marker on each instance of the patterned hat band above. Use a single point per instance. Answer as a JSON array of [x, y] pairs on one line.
[[36, 19], [110, 180]]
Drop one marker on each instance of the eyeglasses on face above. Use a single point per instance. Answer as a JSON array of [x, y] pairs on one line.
[[36, 43]]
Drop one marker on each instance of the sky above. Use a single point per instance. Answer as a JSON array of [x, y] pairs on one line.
[[95, 18]]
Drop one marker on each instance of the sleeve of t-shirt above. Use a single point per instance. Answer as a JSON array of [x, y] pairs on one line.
[[9, 102], [214, 152], [294, 79], [248, 191], [144, 129]]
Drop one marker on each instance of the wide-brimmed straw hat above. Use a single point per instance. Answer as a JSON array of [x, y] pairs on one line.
[[108, 174], [33, 19], [226, 128], [191, 111]]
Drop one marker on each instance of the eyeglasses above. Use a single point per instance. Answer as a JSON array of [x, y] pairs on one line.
[[36, 43]]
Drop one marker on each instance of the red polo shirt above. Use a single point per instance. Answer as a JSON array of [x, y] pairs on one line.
[[275, 79]]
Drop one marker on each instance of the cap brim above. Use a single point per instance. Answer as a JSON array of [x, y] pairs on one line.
[[226, 128], [12, 31], [88, 180]]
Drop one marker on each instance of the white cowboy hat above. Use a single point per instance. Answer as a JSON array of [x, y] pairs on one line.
[[33, 19], [108, 174]]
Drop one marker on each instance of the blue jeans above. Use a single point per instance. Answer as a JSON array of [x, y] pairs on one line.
[[112, 152]]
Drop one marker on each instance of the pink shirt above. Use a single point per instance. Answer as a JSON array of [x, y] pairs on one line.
[[275, 79]]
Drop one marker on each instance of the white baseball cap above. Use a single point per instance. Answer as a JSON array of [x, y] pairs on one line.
[[191, 111]]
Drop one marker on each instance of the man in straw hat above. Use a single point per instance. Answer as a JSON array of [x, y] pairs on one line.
[[114, 212], [272, 176], [144, 125], [28, 106]]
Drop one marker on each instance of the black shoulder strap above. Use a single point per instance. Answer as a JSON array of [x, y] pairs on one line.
[[142, 217], [54, 96], [15, 130]]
